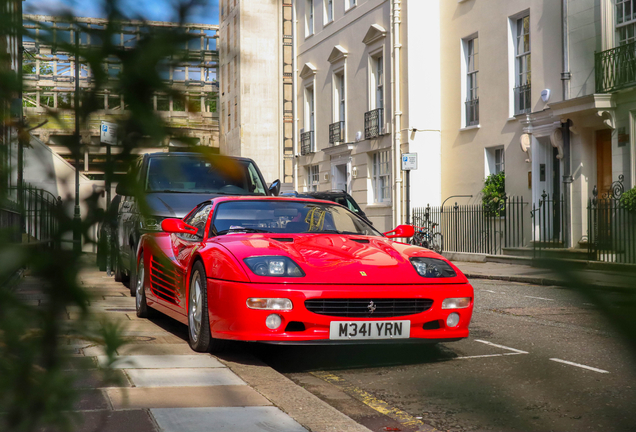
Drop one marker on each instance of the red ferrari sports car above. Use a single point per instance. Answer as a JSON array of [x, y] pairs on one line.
[[285, 270]]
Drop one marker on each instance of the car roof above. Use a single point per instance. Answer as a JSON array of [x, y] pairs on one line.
[[173, 154], [268, 198]]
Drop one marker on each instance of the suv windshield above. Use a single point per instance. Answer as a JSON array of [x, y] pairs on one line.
[[201, 174], [287, 217]]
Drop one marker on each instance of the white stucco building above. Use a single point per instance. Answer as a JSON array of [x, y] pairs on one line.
[[359, 96]]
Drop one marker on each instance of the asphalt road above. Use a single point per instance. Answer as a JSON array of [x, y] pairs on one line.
[[538, 359]]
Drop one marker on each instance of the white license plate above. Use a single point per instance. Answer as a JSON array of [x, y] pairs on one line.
[[369, 330]]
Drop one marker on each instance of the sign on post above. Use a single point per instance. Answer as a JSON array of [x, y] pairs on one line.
[[108, 133], [409, 161]]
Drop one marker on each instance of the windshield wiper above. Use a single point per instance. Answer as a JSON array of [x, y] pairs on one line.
[[334, 232], [241, 229]]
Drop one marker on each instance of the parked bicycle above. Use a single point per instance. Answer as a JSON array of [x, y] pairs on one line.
[[424, 235]]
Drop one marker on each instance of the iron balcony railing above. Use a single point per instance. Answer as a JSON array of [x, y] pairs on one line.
[[522, 99], [615, 68], [472, 112], [373, 121], [336, 132], [307, 143]]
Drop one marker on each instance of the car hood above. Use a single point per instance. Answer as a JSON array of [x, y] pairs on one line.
[[174, 205], [337, 259]]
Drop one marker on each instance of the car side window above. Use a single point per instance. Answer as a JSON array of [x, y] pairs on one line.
[[351, 206], [198, 219]]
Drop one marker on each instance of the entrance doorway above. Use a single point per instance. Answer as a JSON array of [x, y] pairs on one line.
[[603, 160], [340, 177]]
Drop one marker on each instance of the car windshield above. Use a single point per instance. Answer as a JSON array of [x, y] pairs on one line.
[[289, 217], [203, 174]]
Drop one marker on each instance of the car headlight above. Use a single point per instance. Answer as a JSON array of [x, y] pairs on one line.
[[269, 304], [152, 223], [456, 303], [432, 267], [278, 266]]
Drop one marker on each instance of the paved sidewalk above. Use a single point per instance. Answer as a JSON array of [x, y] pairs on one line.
[[541, 276], [168, 387]]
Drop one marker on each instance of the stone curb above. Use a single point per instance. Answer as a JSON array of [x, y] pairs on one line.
[[523, 279]]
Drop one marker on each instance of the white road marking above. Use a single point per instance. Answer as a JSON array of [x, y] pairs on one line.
[[501, 346], [490, 291], [488, 355], [540, 298], [579, 365]]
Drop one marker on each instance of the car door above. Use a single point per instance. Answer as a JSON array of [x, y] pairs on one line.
[[128, 217], [185, 245]]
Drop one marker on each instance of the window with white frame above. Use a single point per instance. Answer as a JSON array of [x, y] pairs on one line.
[[472, 86], [381, 176], [522, 65], [339, 97], [495, 161], [307, 138], [625, 21], [328, 11], [313, 177], [377, 78], [309, 18], [349, 4]]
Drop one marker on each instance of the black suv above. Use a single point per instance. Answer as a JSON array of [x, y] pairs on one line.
[[171, 185], [337, 196]]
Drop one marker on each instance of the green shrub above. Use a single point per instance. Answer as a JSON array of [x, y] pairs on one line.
[[494, 194], [628, 200]]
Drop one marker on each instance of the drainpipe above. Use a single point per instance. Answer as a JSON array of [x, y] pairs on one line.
[[565, 75], [295, 97], [567, 183], [397, 110]]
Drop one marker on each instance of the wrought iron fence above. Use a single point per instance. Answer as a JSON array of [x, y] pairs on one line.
[[336, 132], [472, 112], [611, 227], [373, 121], [615, 68], [38, 217], [476, 229], [10, 222], [549, 223], [522, 99], [307, 142]]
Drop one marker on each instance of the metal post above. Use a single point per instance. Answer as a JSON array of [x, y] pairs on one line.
[[108, 177], [408, 197], [77, 220]]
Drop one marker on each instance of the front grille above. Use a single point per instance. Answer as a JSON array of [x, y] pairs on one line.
[[360, 308]]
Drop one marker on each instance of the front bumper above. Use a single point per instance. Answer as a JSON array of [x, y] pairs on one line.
[[230, 318]]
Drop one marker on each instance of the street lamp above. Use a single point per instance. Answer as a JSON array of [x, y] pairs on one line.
[[77, 220]]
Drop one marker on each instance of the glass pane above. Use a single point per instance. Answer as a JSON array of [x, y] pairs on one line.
[[619, 13]]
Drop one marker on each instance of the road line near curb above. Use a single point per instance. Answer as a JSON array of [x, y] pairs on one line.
[[539, 298], [376, 404], [488, 355], [579, 365], [501, 346]]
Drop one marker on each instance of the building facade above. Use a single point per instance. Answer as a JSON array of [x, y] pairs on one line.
[[525, 93], [357, 108], [255, 55]]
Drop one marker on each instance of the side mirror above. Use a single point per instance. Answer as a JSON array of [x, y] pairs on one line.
[[274, 188], [177, 226], [401, 231], [123, 189]]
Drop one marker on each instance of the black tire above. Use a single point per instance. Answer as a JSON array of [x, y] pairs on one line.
[[132, 276], [199, 335], [142, 308], [117, 268]]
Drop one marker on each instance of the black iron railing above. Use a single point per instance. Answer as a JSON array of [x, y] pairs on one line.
[[373, 121], [476, 229], [10, 222], [472, 112], [336, 132], [307, 143], [615, 68], [611, 226], [548, 223], [38, 216], [522, 99]]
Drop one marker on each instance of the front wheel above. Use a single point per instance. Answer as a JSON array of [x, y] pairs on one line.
[[199, 335], [143, 311], [437, 243]]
